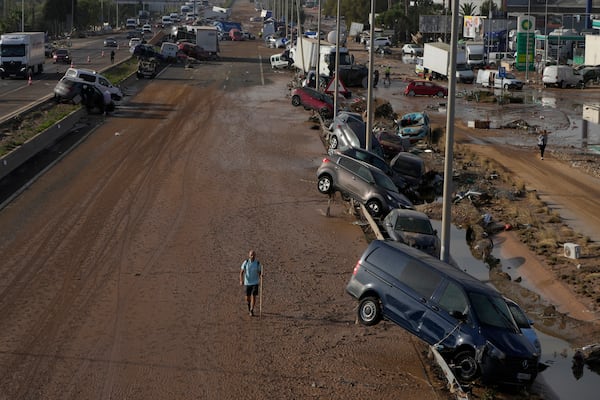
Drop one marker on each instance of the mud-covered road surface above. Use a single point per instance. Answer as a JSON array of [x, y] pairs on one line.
[[120, 265]]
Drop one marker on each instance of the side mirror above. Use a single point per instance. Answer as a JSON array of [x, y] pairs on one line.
[[459, 316]]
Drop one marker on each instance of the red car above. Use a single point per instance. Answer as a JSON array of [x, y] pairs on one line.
[[425, 88], [312, 99]]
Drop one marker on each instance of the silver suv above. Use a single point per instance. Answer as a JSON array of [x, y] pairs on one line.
[[362, 182]]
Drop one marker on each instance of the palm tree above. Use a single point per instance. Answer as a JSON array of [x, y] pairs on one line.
[[468, 9]]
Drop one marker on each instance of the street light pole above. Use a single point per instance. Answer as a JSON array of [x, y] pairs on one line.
[[22, 15], [527, 49]]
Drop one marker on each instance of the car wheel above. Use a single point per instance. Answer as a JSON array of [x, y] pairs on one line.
[[411, 93], [333, 142], [440, 94], [324, 112], [296, 101], [325, 184], [374, 207], [369, 311], [365, 82], [465, 366], [563, 84]]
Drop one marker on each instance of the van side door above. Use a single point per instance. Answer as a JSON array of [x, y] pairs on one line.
[[407, 304]]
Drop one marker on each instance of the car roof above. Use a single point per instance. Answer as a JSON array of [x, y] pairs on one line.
[[409, 213], [467, 281]]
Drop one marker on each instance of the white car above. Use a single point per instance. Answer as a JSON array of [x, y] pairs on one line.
[[93, 78], [147, 28], [381, 42], [412, 49], [134, 42]]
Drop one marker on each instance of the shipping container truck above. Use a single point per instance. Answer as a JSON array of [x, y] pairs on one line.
[[207, 37], [305, 56], [436, 61], [21, 54]]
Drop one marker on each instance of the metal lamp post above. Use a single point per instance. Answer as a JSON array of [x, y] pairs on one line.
[[22, 15]]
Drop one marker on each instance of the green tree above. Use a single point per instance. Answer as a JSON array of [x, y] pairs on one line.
[[468, 9]]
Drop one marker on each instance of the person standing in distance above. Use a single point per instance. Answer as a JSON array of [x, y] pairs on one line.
[[542, 141], [250, 277]]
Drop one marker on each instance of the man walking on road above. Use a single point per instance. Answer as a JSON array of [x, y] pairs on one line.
[[542, 141], [250, 273]]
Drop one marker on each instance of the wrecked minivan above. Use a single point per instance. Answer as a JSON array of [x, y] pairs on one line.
[[466, 320]]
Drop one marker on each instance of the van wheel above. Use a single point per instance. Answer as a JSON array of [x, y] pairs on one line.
[[563, 84], [296, 101], [333, 142], [465, 366], [325, 184], [374, 207], [369, 311]]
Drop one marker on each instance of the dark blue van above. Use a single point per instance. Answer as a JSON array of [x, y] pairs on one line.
[[466, 320]]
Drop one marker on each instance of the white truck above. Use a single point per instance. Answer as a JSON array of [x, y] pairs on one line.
[[21, 54], [436, 61], [475, 54], [305, 57], [207, 37]]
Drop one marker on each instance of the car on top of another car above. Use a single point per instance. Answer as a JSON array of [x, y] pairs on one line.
[[348, 129], [360, 181], [466, 320]]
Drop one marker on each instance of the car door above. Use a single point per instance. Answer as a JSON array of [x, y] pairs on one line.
[[353, 177], [441, 318], [407, 303]]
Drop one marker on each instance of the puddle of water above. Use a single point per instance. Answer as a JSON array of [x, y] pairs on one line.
[[558, 380]]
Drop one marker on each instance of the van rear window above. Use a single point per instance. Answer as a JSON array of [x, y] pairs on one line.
[[88, 78]]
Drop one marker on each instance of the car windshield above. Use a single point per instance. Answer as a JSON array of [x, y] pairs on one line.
[[519, 316], [384, 181], [510, 76], [12, 50], [492, 311], [411, 224]]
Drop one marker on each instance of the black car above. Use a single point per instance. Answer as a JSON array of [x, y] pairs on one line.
[[110, 42], [411, 167], [467, 320], [61, 56]]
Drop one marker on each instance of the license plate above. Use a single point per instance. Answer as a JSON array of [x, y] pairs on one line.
[[523, 377]]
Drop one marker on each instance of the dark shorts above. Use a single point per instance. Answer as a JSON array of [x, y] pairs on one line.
[[251, 290]]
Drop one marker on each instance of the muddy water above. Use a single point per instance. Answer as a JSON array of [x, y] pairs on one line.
[[558, 380]]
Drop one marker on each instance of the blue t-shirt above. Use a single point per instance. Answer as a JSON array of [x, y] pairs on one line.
[[251, 272]]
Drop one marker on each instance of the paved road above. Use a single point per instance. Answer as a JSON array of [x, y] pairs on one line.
[[17, 94]]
